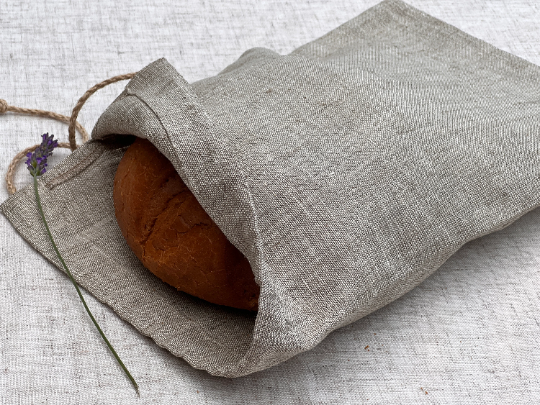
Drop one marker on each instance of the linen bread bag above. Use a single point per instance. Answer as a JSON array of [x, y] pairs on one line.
[[346, 172]]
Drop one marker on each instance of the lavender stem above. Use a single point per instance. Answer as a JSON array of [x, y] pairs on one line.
[[78, 290]]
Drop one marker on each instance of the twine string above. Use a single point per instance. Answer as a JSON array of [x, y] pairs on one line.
[[82, 100], [19, 157], [71, 121]]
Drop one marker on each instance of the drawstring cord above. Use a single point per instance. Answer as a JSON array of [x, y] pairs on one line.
[[71, 121]]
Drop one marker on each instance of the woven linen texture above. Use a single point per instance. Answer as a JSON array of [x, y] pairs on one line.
[[347, 172]]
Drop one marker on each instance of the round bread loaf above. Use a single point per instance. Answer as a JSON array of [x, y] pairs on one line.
[[173, 236]]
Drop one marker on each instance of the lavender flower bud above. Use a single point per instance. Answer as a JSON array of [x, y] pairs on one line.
[[37, 161]]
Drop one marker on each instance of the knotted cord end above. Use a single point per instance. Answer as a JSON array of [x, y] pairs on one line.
[[3, 106]]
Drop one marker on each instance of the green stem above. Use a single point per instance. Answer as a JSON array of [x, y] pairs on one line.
[[79, 291]]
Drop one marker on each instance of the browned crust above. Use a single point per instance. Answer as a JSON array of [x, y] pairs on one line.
[[173, 236]]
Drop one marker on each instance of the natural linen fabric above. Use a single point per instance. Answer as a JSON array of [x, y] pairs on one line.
[[347, 172]]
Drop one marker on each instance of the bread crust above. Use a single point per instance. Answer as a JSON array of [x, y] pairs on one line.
[[173, 236]]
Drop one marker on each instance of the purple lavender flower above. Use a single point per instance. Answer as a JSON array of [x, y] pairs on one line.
[[37, 161]]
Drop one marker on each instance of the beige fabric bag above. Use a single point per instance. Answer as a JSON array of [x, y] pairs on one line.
[[347, 172]]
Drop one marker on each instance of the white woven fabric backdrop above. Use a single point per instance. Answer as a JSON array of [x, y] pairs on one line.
[[467, 335]]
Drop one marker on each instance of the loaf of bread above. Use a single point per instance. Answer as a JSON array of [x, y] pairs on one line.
[[173, 236]]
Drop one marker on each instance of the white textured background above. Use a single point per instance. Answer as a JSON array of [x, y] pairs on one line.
[[470, 334]]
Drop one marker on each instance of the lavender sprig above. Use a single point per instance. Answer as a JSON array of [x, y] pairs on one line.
[[36, 164], [37, 161]]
